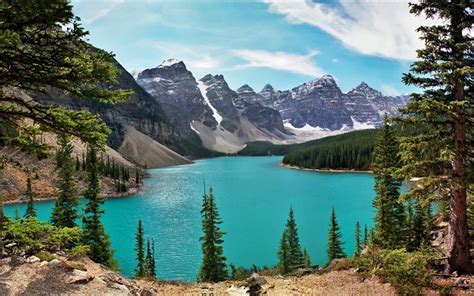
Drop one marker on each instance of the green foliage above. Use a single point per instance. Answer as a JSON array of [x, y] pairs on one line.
[[33, 235], [443, 155], [213, 266], [390, 212], [409, 272], [335, 243], [44, 255], [65, 213], [347, 151], [418, 225], [357, 243], [78, 251], [306, 259], [150, 265], [139, 248], [289, 253], [94, 233], [30, 207]]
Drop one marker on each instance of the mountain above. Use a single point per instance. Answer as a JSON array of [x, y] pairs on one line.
[[141, 111], [321, 104], [222, 119]]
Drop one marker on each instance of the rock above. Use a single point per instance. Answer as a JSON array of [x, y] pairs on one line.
[[10, 245], [79, 277], [32, 259], [54, 262], [119, 287], [255, 283], [233, 290], [146, 292]]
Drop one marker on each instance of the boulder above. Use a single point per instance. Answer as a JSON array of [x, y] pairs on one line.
[[32, 259], [79, 277]]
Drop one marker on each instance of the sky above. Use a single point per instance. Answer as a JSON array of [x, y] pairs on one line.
[[255, 42]]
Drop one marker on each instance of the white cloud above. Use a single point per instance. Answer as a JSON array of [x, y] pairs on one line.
[[100, 13], [335, 60], [390, 90], [379, 28], [301, 64]]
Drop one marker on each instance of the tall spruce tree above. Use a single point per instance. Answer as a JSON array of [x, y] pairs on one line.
[[94, 233], [390, 216], [296, 255], [365, 239], [335, 243], [213, 266], [284, 254], [445, 111], [150, 259], [140, 270], [357, 243], [65, 211], [30, 207]]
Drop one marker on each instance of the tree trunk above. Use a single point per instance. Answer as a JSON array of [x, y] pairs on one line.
[[459, 256]]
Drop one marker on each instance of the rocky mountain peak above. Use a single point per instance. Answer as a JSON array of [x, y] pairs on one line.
[[365, 89], [245, 89], [170, 62], [268, 88]]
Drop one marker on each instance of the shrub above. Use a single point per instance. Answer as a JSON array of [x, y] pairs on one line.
[[78, 251], [33, 235], [407, 271], [45, 256]]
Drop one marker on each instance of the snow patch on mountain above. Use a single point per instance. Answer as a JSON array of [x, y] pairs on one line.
[[169, 62], [356, 125], [203, 89]]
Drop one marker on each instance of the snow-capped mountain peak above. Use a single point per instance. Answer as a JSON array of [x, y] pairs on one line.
[[169, 62]]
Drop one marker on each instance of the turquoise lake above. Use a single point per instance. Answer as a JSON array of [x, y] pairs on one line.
[[253, 195]]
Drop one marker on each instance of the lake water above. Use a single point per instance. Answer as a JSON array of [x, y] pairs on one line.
[[253, 195]]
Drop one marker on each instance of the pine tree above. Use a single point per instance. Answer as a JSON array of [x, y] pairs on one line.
[[150, 259], [140, 270], [137, 176], [390, 216], [357, 244], [213, 266], [94, 233], [365, 240], [30, 207], [296, 255], [335, 243], [306, 259], [17, 214], [445, 111], [284, 252], [65, 212]]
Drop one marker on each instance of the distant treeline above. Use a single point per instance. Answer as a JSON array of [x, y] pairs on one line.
[[347, 151]]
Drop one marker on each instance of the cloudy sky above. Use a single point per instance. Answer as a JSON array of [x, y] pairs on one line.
[[282, 42]]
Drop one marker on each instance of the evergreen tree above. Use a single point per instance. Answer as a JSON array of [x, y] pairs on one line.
[[284, 254], [390, 216], [140, 270], [17, 214], [357, 244], [365, 240], [335, 243], [306, 259], [213, 266], [150, 259], [30, 207], [137, 177], [65, 212], [94, 233], [444, 70], [296, 255]]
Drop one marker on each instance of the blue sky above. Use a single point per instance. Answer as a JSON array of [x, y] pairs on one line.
[[284, 43]]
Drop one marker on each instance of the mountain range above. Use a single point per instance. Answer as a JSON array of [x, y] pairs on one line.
[[171, 113], [225, 119]]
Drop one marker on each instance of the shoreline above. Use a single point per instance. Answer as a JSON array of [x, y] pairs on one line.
[[325, 170], [130, 192]]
